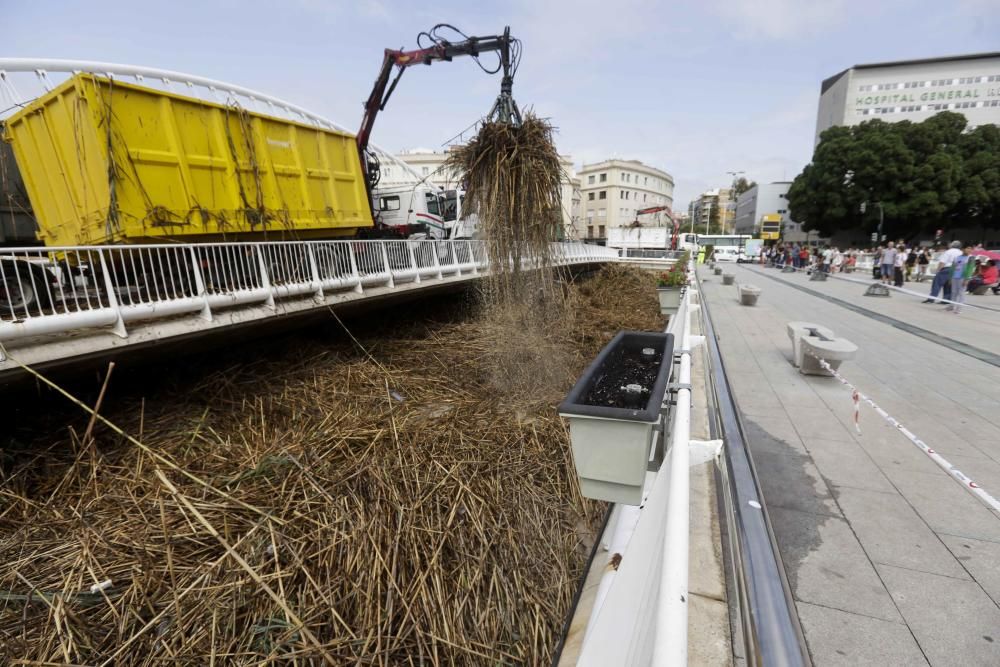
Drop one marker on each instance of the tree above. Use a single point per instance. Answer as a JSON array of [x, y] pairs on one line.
[[713, 215], [924, 176], [742, 185], [979, 201]]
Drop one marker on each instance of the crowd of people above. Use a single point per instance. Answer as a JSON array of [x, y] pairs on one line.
[[958, 271]]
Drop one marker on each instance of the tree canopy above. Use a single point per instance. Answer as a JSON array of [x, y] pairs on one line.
[[926, 176], [742, 185]]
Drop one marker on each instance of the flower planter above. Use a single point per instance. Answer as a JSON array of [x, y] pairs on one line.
[[728, 278], [610, 422], [718, 270], [670, 299]]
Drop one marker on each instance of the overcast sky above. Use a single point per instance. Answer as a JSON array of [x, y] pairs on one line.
[[696, 88]]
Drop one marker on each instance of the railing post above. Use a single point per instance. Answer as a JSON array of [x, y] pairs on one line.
[[265, 279], [454, 257], [354, 267], [437, 263], [314, 267], [385, 258], [413, 260], [199, 284], [472, 258], [119, 325]]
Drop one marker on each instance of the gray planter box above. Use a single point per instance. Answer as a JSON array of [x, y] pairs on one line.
[[670, 299], [728, 278], [718, 270], [611, 444]]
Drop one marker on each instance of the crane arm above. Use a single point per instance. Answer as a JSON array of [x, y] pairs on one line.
[[505, 109]]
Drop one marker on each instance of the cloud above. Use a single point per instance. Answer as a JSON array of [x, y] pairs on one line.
[[786, 20]]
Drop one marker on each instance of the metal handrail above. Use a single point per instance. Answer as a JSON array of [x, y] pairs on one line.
[[640, 609], [771, 632], [69, 288]]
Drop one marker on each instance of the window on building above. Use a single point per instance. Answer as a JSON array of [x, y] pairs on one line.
[[590, 231], [645, 180], [590, 180], [590, 196], [424, 171], [627, 194], [603, 213], [643, 196], [603, 194], [604, 178], [600, 231]]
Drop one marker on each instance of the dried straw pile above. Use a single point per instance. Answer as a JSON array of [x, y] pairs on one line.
[[513, 177], [382, 512]]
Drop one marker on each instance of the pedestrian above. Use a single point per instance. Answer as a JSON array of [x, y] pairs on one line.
[[897, 274], [804, 257], [838, 260], [988, 275], [923, 261], [942, 279], [795, 255], [888, 262], [911, 261], [959, 268], [876, 262], [827, 258]]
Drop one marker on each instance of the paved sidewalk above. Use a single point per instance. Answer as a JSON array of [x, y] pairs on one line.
[[973, 326], [891, 561]]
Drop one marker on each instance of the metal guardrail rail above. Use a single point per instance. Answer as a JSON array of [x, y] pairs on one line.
[[769, 622], [640, 609], [58, 290]]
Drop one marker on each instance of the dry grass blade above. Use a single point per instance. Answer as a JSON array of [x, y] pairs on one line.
[[309, 514]]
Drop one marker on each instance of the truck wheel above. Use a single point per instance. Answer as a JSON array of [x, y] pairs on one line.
[[23, 288]]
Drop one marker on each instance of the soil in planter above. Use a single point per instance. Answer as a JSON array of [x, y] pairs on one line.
[[622, 368]]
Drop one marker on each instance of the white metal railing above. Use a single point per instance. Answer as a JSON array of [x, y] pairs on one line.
[[55, 290], [639, 616], [24, 79]]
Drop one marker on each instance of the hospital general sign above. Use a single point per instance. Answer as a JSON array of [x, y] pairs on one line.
[[904, 97]]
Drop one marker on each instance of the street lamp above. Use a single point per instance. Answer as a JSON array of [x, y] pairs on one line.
[[881, 218]]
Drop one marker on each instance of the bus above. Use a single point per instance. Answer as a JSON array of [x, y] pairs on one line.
[[770, 226], [727, 247]]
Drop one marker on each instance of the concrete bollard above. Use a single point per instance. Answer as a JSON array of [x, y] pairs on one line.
[[877, 289], [728, 278], [718, 270], [834, 351], [799, 330], [818, 275], [748, 294]]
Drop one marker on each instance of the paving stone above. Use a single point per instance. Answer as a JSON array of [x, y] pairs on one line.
[[954, 621], [847, 464], [838, 638], [893, 533], [945, 505], [981, 559], [826, 565], [792, 482]]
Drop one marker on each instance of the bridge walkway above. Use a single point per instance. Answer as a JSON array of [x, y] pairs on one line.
[[890, 560]]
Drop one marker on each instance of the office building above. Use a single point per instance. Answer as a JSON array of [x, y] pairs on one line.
[[913, 90]]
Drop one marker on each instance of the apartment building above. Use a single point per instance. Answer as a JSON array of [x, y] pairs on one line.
[[612, 191]]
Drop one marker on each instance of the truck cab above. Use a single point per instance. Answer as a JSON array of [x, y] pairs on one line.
[[458, 224]]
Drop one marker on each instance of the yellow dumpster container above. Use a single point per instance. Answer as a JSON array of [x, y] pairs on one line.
[[110, 162]]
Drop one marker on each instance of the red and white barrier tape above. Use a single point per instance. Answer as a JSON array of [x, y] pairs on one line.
[[942, 462]]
